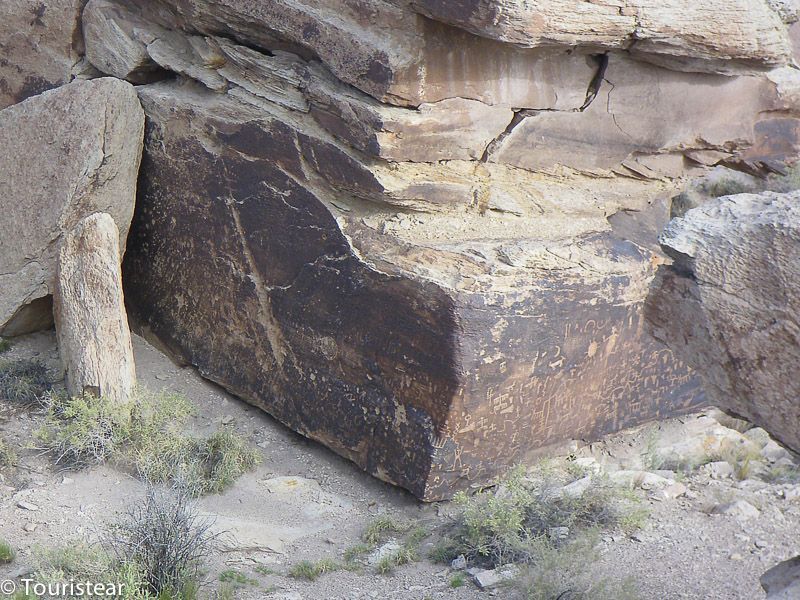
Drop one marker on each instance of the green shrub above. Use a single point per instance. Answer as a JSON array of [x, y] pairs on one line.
[[84, 430], [7, 553], [7, 455], [88, 563], [146, 434], [555, 572], [23, 381], [5, 345], [496, 527], [310, 571], [458, 580]]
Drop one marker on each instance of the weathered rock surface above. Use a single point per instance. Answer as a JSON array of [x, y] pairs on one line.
[[594, 114], [730, 303], [742, 30], [642, 110], [40, 46], [388, 50], [92, 327], [431, 355], [76, 150], [390, 233], [782, 582]]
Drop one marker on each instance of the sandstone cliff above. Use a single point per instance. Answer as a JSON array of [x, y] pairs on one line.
[[422, 232]]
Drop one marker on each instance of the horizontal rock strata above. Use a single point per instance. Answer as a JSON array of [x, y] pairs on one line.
[[717, 33], [76, 150], [729, 305]]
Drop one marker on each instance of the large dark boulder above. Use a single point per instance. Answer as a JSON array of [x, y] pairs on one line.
[[433, 360], [729, 305]]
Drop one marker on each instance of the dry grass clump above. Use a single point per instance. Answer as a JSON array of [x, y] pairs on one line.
[[146, 434], [23, 382], [565, 572], [379, 530], [310, 571], [204, 465], [154, 552], [530, 521], [166, 539]]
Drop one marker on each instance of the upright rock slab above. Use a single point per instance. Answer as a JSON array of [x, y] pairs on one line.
[[76, 151], [91, 324], [730, 305]]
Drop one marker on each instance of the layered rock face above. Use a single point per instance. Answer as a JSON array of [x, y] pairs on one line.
[[70, 152], [729, 305], [420, 232]]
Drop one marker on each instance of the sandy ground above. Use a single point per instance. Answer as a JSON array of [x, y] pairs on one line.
[[304, 502]]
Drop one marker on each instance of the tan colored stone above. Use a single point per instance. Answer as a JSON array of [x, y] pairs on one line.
[[91, 324], [641, 109], [730, 304], [388, 51], [40, 46], [709, 32], [112, 34], [76, 151], [451, 129]]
